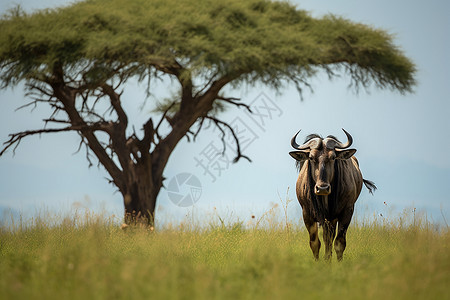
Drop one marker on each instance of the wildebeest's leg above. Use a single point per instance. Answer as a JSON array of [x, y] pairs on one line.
[[340, 243], [313, 230], [329, 232]]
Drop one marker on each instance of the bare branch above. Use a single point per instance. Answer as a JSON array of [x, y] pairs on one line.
[[35, 102], [211, 79], [199, 128], [115, 103], [96, 115], [84, 142], [51, 119], [233, 101], [164, 116], [16, 138], [220, 123]]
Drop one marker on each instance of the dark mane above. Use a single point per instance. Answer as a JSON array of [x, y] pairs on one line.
[[334, 138], [315, 135], [312, 136]]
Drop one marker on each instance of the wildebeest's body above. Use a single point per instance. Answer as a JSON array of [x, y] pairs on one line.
[[328, 186], [345, 189]]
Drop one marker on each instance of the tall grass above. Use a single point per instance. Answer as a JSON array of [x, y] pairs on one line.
[[91, 257]]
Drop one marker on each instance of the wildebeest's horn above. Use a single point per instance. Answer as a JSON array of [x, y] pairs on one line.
[[349, 141], [310, 144], [294, 143]]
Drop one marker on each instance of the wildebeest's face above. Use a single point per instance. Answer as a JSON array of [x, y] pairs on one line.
[[321, 154]]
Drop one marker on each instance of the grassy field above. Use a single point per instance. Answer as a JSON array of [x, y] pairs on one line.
[[93, 258]]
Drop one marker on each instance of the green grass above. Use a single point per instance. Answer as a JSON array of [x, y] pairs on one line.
[[93, 258]]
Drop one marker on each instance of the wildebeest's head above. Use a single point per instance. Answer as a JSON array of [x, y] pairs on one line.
[[321, 155]]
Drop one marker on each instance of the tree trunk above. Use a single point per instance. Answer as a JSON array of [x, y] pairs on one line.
[[139, 174], [139, 195]]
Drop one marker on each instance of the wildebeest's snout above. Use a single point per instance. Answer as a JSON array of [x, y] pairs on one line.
[[322, 189]]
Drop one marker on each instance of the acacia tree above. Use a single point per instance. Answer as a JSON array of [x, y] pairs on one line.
[[78, 58]]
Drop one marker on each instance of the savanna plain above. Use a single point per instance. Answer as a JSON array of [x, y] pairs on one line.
[[87, 256]]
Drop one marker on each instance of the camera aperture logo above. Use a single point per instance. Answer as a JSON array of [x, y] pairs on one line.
[[184, 189]]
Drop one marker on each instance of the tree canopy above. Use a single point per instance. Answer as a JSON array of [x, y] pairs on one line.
[[74, 57], [246, 40]]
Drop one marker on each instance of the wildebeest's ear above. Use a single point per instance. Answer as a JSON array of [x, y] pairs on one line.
[[299, 155], [344, 153]]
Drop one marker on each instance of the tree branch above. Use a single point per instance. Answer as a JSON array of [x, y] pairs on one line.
[[220, 123], [210, 80], [115, 103], [233, 101], [198, 129], [184, 118], [67, 96], [16, 138], [148, 138]]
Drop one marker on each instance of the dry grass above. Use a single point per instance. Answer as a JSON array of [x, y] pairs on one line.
[[90, 257]]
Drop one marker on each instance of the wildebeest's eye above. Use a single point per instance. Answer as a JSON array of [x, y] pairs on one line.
[[313, 158]]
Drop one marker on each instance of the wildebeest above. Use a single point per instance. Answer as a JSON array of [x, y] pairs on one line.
[[328, 186]]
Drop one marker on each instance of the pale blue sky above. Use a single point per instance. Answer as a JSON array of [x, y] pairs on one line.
[[402, 140]]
